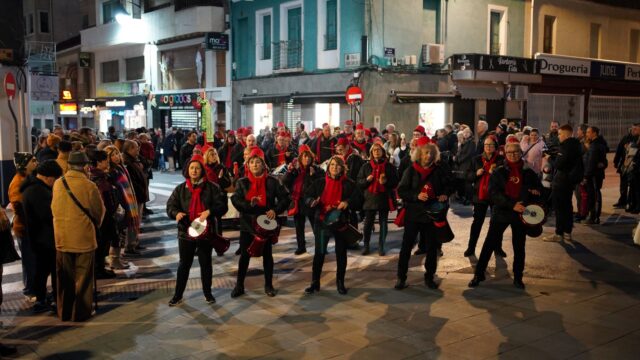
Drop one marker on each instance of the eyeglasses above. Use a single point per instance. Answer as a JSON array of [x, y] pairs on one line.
[[512, 152], [490, 145]]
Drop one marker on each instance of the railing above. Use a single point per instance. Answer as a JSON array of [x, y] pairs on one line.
[[287, 55], [330, 42], [185, 4]]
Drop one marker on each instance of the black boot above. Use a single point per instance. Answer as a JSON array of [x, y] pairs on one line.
[[476, 280], [401, 284], [517, 282], [428, 280], [341, 289], [366, 249], [314, 287], [270, 291], [469, 252], [237, 291]]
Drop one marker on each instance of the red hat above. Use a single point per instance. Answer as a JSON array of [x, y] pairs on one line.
[[197, 147], [512, 140], [360, 126], [284, 134], [367, 132], [378, 141], [422, 141], [420, 129], [231, 133], [280, 124], [256, 151], [240, 131], [343, 141], [206, 148], [303, 148], [348, 122]]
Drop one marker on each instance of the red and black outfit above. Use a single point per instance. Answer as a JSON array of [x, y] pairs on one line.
[[277, 156], [231, 153], [378, 198], [331, 192], [192, 199], [362, 147], [508, 185], [299, 180], [273, 196], [324, 148], [213, 175]]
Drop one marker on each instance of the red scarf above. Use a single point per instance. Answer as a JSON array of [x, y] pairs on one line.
[[281, 154], [332, 193], [376, 170], [319, 147], [212, 175], [424, 173], [362, 147], [483, 186], [514, 181], [298, 182], [227, 161], [196, 206], [258, 188]]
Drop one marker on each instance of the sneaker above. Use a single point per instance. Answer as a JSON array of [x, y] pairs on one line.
[[501, 253], [175, 301], [469, 253], [552, 238], [567, 237], [209, 299], [300, 251]]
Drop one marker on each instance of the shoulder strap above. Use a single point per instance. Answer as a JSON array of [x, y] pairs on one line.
[[530, 147], [77, 202]]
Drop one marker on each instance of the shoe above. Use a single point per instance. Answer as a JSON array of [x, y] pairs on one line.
[[420, 252], [7, 350], [578, 219], [132, 252], [209, 299], [300, 251], [175, 301], [552, 238], [431, 284], [341, 289], [314, 287], [40, 307], [219, 254], [366, 250], [501, 253], [633, 211], [469, 252], [237, 291], [518, 283], [381, 252], [477, 279], [147, 211], [116, 264], [401, 284], [270, 291], [592, 221], [567, 237]]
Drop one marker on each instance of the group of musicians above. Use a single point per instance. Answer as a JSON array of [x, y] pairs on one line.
[[333, 182]]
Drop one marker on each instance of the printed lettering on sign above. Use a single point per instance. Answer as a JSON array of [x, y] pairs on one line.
[[564, 66], [632, 72]]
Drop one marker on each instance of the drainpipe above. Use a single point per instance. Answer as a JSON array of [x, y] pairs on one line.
[[533, 7]]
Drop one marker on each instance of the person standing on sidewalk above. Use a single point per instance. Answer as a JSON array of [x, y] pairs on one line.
[[135, 168], [196, 198], [569, 172], [596, 163], [619, 164], [170, 148], [77, 212]]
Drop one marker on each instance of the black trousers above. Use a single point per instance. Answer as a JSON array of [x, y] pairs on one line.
[[187, 250], [45, 266], [479, 215], [322, 236], [243, 264], [411, 231], [624, 189], [300, 219], [518, 239], [634, 191], [563, 208], [594, 187], [75, 285], [369, 218]]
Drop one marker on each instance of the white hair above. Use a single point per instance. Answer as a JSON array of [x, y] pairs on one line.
[[483, 124]]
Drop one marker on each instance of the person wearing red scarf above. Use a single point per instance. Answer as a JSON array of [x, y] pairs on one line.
[[196, 198], [217, 174], [481, 169], [281, 153], [231, 151], [257, 194], [511, 187], [360, 141], [332, 192], [299, 178], [377, 180], [324, 144], [424, 185]]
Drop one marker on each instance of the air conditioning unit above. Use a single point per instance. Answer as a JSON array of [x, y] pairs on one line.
[[352, 60], [432, 54]]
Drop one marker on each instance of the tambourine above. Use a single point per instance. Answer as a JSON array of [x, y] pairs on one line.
[[198, 230], [533, 215]]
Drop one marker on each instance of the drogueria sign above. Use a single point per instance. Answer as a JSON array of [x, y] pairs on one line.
[[591, 68]]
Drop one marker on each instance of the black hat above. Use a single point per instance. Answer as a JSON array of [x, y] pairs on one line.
[[21, 159], [64, 146], [49, 168], [78, 158]]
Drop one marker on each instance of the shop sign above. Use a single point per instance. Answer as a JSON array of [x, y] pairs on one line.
[[116, 103], [497, 63], [389, 52], [68, 109], [569, 66], [185, 101], [84, 59], [119, 89], [564, 66], [606, 70], [44, 88], [632, 72], [217, 41], [66, 95]]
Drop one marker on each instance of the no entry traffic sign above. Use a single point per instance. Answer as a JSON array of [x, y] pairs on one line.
[[10, 85], [354, 95]]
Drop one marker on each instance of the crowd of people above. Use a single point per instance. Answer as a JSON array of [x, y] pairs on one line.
[[79, 197]]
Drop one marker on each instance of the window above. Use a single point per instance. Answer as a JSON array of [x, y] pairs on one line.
[[549, 34], [108, 8], [594, 43], [497, 30], [151, 5], [44, 22], [110, 71], [85, 21], [331, 37], [135, 68], [634, 46], [494, 36], [266, 37]]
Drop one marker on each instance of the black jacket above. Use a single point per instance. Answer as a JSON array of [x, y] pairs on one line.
[[186, 151], [621, 150], [480, 143], [327, 148], [214, 199], [464, 157], [596, 158], [502, 210], [226, 179], [36, 203], [272, 156], [236, 154], [291, 176], [411, 185], [568, 165], [138, 177], [315, 191], [377, 201], [278, 200], [476, 164]]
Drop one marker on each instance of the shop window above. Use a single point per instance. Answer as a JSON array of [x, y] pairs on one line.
[[262, 116], [44, 22], [135, 68], [151, 5], [109, 71], [594, 41], [634, 46], [326, 113], [549, 40]]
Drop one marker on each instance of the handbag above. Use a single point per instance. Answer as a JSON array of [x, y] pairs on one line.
[[8, 253], [77, 202]]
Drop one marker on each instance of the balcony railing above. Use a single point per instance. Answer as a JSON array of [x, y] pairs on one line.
[[287, 55]]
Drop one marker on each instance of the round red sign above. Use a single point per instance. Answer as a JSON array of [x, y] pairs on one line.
[[354, 95], [10, 85]]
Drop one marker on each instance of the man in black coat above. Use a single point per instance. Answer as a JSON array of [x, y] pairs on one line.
[[324, 145], [618, 163], [569, 172], [186, 150], [594, 167]]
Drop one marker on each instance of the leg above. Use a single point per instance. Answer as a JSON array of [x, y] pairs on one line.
[[28, 264], [431, 262], [494, 236], [518, 240], [186, 250], [65, 265], [318, 257], [479, 214], [598, 197], [341, 265], [84, 286], [383, 216], [624, 191], [243, 264], [411, 231], [267, 262], [205, 251], [369, 217], [40, 280], [299, 219], [591, 196]]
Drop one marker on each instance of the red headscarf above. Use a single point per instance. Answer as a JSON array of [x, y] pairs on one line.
[[376, 170], [514, 181]]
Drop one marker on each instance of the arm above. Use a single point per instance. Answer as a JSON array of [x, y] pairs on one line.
[[392, 178], [362, 182], [96, 206], [497, 192], [238, 198], [283, 199], [173, 204], [219, 203], [405, 190]]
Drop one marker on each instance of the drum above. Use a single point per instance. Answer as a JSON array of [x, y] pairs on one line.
[[265, 230], [280, 170], [220, 244], [437, 210], [198, 229], [533, 215], [341, 229]]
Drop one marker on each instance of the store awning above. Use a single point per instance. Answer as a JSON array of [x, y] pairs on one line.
[[480, 91], [407, 97], [296, 98]]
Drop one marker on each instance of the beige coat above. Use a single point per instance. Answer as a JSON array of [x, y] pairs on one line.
[[63, 161], [73, 230]]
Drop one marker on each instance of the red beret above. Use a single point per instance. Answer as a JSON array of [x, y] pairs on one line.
[[284, 134], [420, 129], [360, 126], [256, 151], [240, 131], [231, 133], [367, 132], [422, 141], [198, 158], [280, 124], [303, 148], [206, 148], [343, 141], [512, 140]]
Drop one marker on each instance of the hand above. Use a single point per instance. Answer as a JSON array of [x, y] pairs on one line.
[[204, 215], [423, 196], [271, 214], [220, 174], [311, 171], [443, 198], [315, 202], [535, 192], [382, 179], [343, 205], [370, 178], [254, 200], [179, 216], [479, 172], [518, 207]]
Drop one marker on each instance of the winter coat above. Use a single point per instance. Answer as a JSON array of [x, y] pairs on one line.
[[502, 210], [290, 177], [15, 197], [224, 181], [596, 158], [170, 145], [74, 232], [327, 148], [63, 161], [464, 158], [533, 156], [477, 164], [138, 177], [186, 151], [316, 189], [381, 200], [236, 154], [36, 203], [213, 198], [411, 185], [272, 156], [278, 200], [568, 165]]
